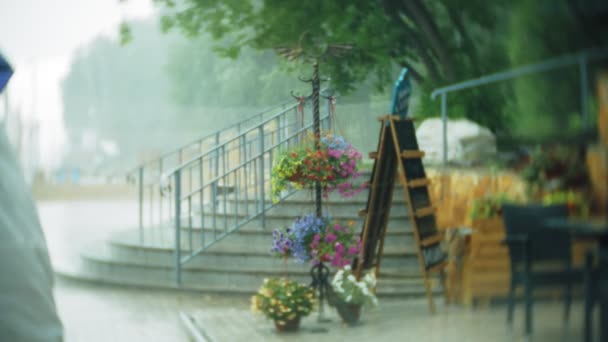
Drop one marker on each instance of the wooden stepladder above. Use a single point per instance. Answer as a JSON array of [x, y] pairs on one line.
[[398, 156]]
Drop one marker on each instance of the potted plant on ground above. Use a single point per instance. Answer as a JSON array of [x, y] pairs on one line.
[[352, 294], [285, 302]]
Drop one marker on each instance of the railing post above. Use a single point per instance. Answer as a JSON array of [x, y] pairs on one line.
[[140, 181], [328, 122], [261, 178], [217, 155], [178, 245], [444, 119], [582, 65]]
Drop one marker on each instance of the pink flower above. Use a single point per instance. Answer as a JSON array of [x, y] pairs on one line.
[[317, 238], [330, 238], [339, 248], [337, 227], [337, 261], [352, 250]]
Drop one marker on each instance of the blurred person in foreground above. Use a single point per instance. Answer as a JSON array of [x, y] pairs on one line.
[[27, 307]]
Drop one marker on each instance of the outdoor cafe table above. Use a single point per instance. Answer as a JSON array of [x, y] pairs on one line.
[[593, 228]]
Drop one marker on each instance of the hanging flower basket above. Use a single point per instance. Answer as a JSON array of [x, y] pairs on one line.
[[334, 164], [317, 240]]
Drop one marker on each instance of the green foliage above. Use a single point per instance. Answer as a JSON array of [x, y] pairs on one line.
[[488, 206], [555, 168], [441, 42], [575, 200], [544, 102]]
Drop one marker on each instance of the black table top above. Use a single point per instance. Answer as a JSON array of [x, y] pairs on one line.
[[589, 227]]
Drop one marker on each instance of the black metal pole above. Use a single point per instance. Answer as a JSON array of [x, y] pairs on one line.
[[316, 128], [319, 272]]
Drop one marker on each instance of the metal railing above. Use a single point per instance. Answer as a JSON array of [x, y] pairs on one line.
[[152, 204], [581, 59], [217, 192]]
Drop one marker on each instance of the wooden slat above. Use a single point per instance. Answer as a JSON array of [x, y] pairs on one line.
[[425, 211], [362, 213], [431, 240], [438, 267], [412, 154], [420, 182], [384, 117], [373, 155]]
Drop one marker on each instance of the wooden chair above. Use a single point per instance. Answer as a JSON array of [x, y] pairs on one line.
[[530, 249]]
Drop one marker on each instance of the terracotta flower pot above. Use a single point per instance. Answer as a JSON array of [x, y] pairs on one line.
[[350, 313], [292, 325]]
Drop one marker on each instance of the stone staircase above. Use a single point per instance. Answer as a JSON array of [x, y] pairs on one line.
[[239, 262]]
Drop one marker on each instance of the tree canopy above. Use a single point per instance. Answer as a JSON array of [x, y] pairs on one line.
[[441, 41]]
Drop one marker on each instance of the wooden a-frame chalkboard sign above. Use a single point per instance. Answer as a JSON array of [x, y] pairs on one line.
[[398, 156]]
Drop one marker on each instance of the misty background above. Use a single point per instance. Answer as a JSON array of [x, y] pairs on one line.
[[81, 100]]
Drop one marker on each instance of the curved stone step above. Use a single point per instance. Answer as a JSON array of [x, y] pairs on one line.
[[230, 254], [96, 265], [396, 244], [279, 220]]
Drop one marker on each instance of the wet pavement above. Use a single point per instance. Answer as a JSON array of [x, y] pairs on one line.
[[93, 312]]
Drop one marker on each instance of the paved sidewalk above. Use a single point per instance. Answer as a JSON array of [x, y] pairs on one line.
[[100, 313], [398, 320]]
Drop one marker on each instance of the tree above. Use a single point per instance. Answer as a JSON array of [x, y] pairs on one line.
[[120, 93], [440, 42]]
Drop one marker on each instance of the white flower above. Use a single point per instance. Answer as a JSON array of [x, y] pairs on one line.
[[349, 298], [346, 268], [351, 278]]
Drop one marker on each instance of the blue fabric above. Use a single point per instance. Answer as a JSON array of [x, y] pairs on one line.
[[5, 73], [401, 95]]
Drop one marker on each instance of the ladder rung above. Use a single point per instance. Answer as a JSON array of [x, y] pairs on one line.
[[436, 268], [412, 154], [429, 241], [425, 211], [416, 183], [362, 212], [384, 117], [373, 155]]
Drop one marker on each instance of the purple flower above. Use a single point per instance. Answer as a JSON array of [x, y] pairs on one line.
[[329, 238], [352, 250]]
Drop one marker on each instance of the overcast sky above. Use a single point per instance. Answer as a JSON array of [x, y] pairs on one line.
[[39, 37]]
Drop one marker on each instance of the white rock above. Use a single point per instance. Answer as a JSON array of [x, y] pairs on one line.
[[468, 142]]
